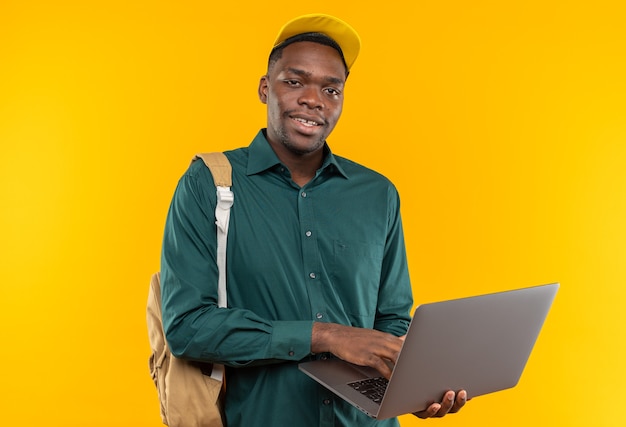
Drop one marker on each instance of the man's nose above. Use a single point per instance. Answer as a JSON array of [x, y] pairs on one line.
[[312, 97]]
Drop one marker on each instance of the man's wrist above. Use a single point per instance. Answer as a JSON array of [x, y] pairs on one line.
[[320, 337]]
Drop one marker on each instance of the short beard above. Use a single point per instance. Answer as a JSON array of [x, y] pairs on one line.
[[282, 135], [298, 151]]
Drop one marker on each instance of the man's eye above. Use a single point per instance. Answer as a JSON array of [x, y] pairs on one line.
[[333, 92], [292, 82]]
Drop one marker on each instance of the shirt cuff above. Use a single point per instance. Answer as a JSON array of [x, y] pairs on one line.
[[291, 340]]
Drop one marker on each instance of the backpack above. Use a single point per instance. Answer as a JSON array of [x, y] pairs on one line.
[[190, 393]]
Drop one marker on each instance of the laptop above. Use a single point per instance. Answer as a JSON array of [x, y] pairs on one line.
[[480, 344]]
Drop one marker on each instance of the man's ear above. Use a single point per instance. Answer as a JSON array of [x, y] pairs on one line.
[[263, 88]]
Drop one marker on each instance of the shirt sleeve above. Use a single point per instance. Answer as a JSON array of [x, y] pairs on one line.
[[395, 298], [195, 327]]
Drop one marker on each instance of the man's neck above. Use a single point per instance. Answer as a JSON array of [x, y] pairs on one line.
[[302, 167]]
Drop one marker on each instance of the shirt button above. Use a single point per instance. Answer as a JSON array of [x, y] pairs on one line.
[[308, 234], [319, 315], [303, 194], [312, 275], [326, 401], [291, 353]]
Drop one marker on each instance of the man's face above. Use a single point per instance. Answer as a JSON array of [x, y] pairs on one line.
[[303, 91]]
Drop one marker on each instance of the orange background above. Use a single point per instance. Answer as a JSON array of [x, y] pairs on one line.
[[503, 124]]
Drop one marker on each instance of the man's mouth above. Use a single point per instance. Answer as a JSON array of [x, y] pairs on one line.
[[306, 122]]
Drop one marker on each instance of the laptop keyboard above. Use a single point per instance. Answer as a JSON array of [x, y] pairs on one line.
[[373, 388]]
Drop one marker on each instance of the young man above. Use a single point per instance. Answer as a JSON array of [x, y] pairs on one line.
[[316, 258]]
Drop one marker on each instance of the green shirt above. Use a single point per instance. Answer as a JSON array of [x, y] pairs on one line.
[[331, 251]]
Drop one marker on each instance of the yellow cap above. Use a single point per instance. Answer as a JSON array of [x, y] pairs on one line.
[[342, 33]]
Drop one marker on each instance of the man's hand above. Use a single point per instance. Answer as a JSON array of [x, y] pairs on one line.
[[379, 350], [449, 405], [365, 347]]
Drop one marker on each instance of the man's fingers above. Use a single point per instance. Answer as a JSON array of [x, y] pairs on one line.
[[447, 403], [429, 412], [382, 365], [450, 403], [461, 398]]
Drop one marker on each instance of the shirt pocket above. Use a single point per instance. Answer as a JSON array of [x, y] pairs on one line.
[[355, 275]]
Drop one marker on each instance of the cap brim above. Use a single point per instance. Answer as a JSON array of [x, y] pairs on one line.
[[342, 33]]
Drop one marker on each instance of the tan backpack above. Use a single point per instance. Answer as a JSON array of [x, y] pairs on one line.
[[191, 395]]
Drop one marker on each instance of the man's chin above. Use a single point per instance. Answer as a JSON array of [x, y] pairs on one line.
[[303, 146]]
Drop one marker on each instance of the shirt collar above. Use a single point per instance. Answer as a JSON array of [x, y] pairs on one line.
[[261, 157]]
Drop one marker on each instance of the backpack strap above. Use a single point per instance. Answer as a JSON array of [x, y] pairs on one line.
[[221, 170]]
